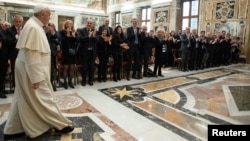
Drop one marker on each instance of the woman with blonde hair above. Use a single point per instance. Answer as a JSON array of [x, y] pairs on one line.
[[67, 37]]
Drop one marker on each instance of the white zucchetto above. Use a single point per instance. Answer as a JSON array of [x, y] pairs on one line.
[[40, 7]]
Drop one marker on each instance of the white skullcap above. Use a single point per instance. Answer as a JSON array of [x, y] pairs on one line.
[[40, 7], [160, 29]]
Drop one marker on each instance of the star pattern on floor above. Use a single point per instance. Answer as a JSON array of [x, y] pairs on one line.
[[123, 92]]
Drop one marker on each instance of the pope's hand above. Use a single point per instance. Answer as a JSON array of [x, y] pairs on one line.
[[36, 85]]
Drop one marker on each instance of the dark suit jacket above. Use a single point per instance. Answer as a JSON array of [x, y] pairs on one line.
[[11, 42], [53, 42], [3, 49], [158, 46], [184, 42], [85, 42], [131, 37], [116, 41], [110, 30], [147, 43]]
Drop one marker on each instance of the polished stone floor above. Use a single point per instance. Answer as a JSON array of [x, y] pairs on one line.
[[177, 107]]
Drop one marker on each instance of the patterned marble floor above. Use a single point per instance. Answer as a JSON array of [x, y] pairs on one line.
[[176, 107]]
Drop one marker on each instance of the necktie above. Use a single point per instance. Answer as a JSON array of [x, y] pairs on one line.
[[189, 42], [136, 38]]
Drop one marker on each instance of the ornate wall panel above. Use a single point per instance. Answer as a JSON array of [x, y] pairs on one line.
[[2, 14], [160, 18], [209, 11], [208, 27], [229, 27], [225, 10], [243, 8], [62, 19], [98, 20], [93, 4], [126, 19], [241, 29]]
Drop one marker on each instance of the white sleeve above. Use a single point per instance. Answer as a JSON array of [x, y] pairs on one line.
[[33, 65]]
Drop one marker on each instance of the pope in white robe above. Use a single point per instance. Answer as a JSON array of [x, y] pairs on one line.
[[33, 110]]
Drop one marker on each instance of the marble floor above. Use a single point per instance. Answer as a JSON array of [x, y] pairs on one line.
[[177, 107]]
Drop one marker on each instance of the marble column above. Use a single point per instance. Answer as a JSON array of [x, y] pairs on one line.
[[247, 40], [112, 19], [2, 14], [175, 8]]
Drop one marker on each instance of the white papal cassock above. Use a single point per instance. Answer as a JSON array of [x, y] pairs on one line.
[[33, 111]]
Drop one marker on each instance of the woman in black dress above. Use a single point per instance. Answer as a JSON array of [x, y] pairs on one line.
[[119, 44], [68, 47], [103, 51]]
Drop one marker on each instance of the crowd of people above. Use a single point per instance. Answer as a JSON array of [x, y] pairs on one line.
[[112, 47]]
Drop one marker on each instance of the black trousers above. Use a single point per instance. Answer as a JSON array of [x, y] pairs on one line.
[[118, 58], [102, 67], [3, 71], [144, 58], [88, 66], [185, 55], [53, 70], [159, 62], [133, 57]]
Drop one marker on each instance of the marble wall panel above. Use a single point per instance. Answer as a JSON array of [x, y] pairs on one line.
[[243, 8], [98, 20], [126, 19], [160, 18], [225, 10], [241, 29], [209, 11], [229, 27], [2, 14]]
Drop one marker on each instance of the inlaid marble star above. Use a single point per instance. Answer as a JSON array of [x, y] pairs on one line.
[[123, 92]]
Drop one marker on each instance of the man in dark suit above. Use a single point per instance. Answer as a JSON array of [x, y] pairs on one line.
[[87, 51], [134, 43], [146, 49], [185, 52], [105, 25], [52, 37], [12, 35], [3, 60]]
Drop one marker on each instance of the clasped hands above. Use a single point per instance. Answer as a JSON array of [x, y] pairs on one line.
[[71, 32], [124, 45]]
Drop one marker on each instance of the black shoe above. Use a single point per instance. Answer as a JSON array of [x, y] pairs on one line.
[[65, 85], [104, 79], [161, 75], [54, 87], [99, 80], [128, 78], [145, 75], [65, 130], [13, 136], [71, 85], [119, 78], [83, 83], [91, 83], [2, 95]]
